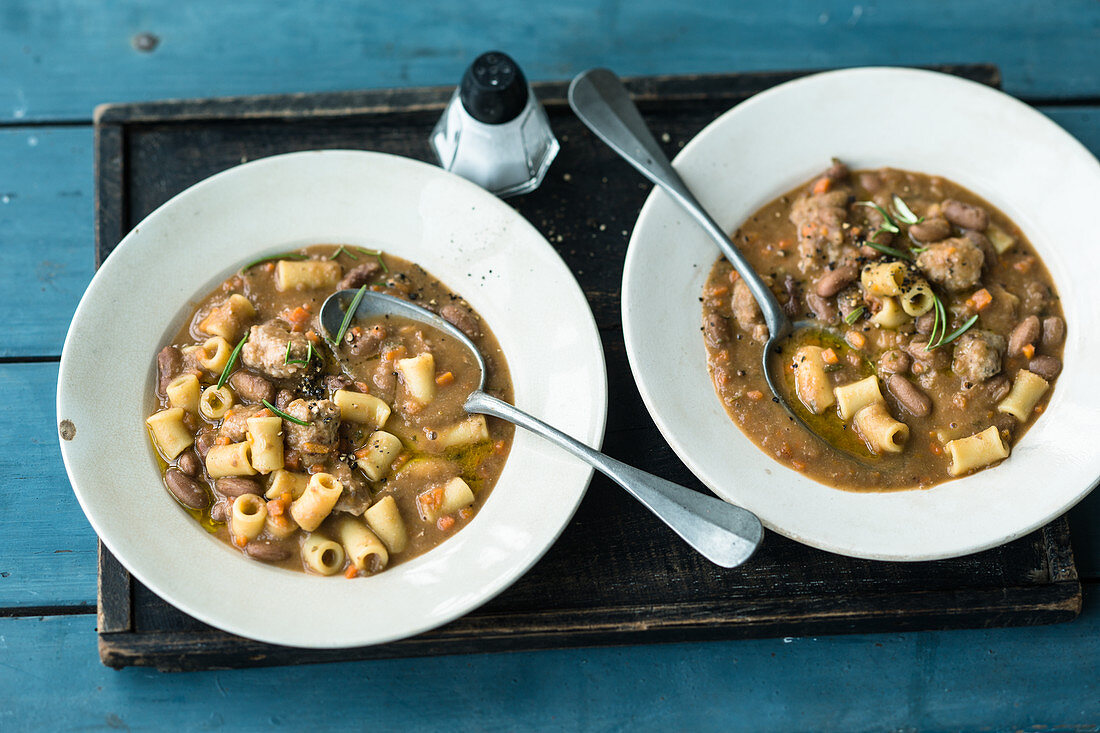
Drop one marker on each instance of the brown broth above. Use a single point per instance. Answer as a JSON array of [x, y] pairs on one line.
[[479, 464], [1019, 284]]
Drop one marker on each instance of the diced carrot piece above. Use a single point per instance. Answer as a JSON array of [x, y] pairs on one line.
[[1023, 264], [936, 449], [980, 300], [823, 185], [829, 356], [856, 339], [807, 231], [312, 336], [362, 452], [429, 501], [275, 508], [1028, 350], [856, 231], [239, 541], [445, 523], [222, 440], [917, 368], [719, 291], [445, 378], [393, 354], [351, 572], [362, 387], [466, 513], [269, 267], [755, 395], [356, 331]]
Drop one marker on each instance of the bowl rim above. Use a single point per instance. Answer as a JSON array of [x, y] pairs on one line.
[[527, 251], [658, 218]]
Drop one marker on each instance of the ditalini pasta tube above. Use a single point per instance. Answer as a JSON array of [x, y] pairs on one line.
[[385, 519], [977, 451], [442, 500], [881, 432], [853, 397], [418, 375], [213, 355], [811, 383], [362, 408], [266, 436], [230, 460], [467, 432], [287, 482], [322, 555], [169, 433], [316, 502], [214, 402], [1027, 389], [365, 551], [890, 315], [883, 278], [183, 392], [916, 297], [306, 275], [227, 319], [376, 457], [248, 516]]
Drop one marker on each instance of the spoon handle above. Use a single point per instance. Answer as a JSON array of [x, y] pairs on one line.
[[725, 534], [602, 103]]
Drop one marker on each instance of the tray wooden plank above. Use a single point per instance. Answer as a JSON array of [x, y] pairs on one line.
[[616, 575]]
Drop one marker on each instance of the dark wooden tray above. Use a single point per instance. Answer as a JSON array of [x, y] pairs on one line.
[[617, 575]]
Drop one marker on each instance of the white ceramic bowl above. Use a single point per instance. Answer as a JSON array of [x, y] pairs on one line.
[[1001, 149], [473, 242]]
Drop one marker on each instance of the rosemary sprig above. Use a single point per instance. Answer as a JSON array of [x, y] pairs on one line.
[[306, 361], [272, 258], [888, 224], [904, 213], [939, 325], [349, 315], [854, 315], [376, 254], [959, 331], [283, 415], [885, 249], [232, 360], [343, 250]]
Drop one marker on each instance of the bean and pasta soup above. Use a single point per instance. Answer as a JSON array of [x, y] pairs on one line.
[[941, 330], [332, 457]]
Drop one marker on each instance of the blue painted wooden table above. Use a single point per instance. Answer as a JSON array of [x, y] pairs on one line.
[[58, 59]]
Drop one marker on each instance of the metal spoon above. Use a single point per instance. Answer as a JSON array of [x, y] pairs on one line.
[[725, 534], [602, 103]]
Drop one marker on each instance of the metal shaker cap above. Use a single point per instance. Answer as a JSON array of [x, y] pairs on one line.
[[493, 89]]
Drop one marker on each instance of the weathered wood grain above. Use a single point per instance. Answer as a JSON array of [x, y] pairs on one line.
[[45, 234], [999, 679], [47, 548], [62, 58], [587, 589], [50, 230]]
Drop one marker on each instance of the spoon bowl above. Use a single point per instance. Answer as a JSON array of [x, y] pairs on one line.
[[725, 534]]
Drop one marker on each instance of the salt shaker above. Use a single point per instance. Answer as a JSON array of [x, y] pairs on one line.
[[494, 132]]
